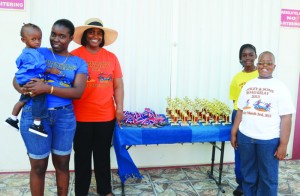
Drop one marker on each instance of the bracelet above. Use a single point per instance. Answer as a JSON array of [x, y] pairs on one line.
[[51, 91]]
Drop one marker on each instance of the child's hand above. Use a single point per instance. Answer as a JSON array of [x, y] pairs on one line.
[[54, 71], [25, 91], [280, 153], [233, 141]]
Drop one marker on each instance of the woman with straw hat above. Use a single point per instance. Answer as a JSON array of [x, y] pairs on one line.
[[100, 106]]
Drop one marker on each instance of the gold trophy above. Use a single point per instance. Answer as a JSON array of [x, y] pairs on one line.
[[175, 120], [203, 114], [226, 113], [184, 121], [169, 107], [195, 119], [217, 111], [206, 123]]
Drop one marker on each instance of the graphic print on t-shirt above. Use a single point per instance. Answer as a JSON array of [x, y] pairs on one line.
[[63, 79], [100, 75], [257, 104], [262, 106]]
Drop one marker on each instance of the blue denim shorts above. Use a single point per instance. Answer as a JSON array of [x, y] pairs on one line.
[[60, 126]]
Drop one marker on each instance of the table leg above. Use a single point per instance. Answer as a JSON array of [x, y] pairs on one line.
[[212, 159], [210, 173], [123, 188], [221, 166]]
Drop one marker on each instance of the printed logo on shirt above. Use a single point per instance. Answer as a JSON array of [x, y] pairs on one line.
[[262, 106], [98, 66], [102, 80], [102, 77], [61, 78], [256, 102]]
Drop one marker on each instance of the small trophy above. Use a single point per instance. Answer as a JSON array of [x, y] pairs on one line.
[[216, 111], [175, 120], [184, 120], [203, 115], [195, 119], [216, 121], [226, 114], [206, 123]]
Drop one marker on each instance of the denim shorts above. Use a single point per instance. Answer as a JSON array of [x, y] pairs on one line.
[[60, 126]]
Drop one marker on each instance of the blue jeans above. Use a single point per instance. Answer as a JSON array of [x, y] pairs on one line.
[[237, 162], [60, 126], [259, 166], [39, 105]]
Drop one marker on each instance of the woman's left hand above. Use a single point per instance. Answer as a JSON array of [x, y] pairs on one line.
[[35, 87], [119, 117]]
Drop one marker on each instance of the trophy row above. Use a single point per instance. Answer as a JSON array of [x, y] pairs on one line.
[[187, 112]]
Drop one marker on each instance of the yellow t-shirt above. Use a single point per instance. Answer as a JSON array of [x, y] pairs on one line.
[[237, 83]]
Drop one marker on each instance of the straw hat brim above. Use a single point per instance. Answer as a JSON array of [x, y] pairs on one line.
[[110, 35]]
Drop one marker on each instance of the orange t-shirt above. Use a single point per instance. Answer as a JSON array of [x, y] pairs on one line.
[[97, 103]]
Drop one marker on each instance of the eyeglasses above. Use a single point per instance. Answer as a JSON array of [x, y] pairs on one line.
[[267, 64]]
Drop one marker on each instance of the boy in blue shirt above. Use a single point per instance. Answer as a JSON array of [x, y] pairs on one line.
[[31, 64]]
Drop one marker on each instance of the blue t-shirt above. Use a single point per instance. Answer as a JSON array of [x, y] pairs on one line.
[[69, 67], [30, 64]]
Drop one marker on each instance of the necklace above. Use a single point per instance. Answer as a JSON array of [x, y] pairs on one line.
[[60, 64]]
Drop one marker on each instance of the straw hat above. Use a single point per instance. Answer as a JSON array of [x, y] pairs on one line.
[[110, 35]]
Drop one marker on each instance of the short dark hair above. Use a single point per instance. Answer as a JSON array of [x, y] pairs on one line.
[[267, 52], [28, 25], [250, 46], [83, 38], [66, 23]]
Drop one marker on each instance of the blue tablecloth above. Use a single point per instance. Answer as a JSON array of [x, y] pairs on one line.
[[166, 135]]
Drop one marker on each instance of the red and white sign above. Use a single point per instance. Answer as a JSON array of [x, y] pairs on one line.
[[290, 18], [12, 4]]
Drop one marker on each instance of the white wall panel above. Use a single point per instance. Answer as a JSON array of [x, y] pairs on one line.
[[210, 35], [166, 48], [143, 46], [174, 48]]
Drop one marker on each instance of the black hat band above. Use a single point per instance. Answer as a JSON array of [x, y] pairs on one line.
[[96, 24]]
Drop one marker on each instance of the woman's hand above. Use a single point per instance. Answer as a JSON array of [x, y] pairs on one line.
[[35, 87], [119, 117]]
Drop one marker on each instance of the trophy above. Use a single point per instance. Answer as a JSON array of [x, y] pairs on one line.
[[195, 119], [216, 112], [169, 107], [175, 120], [202, 116], [184, 121], [206, 117], [202, 112], [226, 114]]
